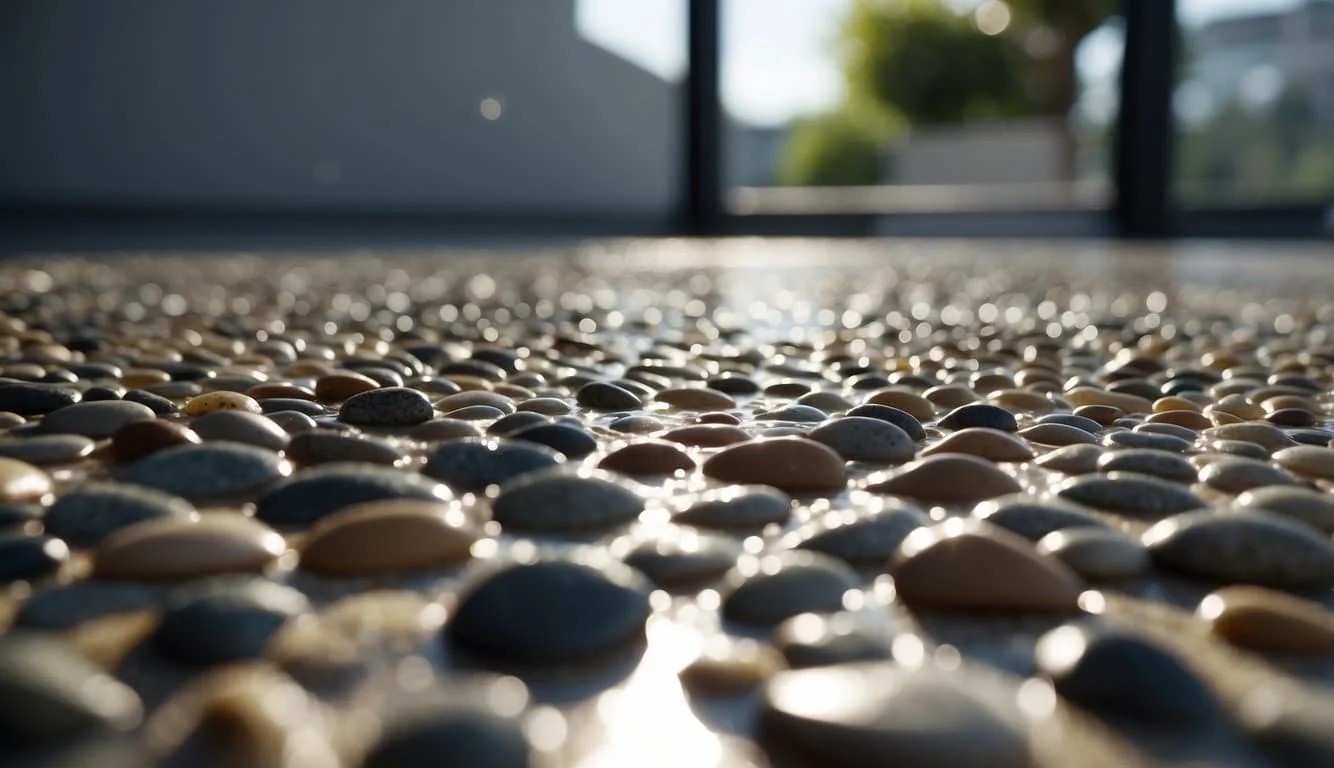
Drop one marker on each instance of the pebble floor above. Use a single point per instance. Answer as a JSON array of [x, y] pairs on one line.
[[401, 635]]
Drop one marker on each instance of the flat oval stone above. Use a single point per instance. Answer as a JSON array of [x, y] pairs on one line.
[[1072, 459], [919, 407], [947, 478], [49, 692], [313, 494], [341, 385], [1235, 474], [1147, 440], [648, 459], [1126, 403], [685, 559], [241, 427], [1307, 460], [1057, 434], [386, 407], [858, 438], [204, 471], [476, 413], [737, 507], [983, 415], [635, 424], [695, 399], [456, 725], [1131, 494], [1267, 620], [826, 402], [730, 666], [707, 435], [25, 556], [990, 444], [1081, 423], [899, 418], [1243, 547], [89, 513], [796, 413], [141, 438], [223, 400], [571, 442], [47, 449], [558, 501], [866, 537], [36, 399], [96, 419], [1121, 676], [812, 640], [970, 565], [602, 396], [551, 611], [1034, 518], [876, 713], [1096, 553], [388, 536], [159, 405], [791, 464], [547, 406], [224, 620], [1309, 506], [768, 589], [516, 421], [1269, 436], [472, 465], [1149, 461], [65, 606], [20, 481], [173, 548], [310, 449], [309, 408]]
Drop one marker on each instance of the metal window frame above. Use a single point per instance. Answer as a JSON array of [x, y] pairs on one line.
[[1142, 201]]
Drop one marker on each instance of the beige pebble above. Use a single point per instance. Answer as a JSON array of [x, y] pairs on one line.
[[181, 548], [221, 401], [991, 444], [1307, 460], [1269, 436], [1057, 435], [829, 402], [1182, 418], [791, 464], [1268, 620], [946, 478], [950, 396], [695, 399], [647, 459], [1120, 400], [707, 435], [729, 666], [1174, 403], [21, 481], [911, 402], [1072, 459], [547, 406], [1021, 400], [388, 536], [966, 564]]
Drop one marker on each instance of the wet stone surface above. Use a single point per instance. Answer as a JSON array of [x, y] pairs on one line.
[[713, 504]]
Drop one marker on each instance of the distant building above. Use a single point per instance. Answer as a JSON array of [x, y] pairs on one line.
[[466, 105]]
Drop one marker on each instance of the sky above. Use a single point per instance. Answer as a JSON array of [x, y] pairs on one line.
[[777, 55]]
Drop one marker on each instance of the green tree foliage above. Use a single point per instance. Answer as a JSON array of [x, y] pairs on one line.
[[833, 149]]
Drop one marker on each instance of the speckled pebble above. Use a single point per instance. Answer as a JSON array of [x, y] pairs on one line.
[[553, 501], [1096, 553], [1033, 517], [1136, 495], [87, 515], [43, 450], [96, 419], [313, 494], [572, 442], [737, 507], [1243, 547], [861, 538], [204, 471], [387, 407], [767, 589], [1149, 461], [858, 438], [1309, 506], [224, 620], [1235, 474]]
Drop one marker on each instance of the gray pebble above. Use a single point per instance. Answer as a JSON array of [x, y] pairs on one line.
[[87, 514]]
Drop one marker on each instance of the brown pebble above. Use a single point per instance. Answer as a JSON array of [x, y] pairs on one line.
[[707, 435], [1057, 434], [182, 548], [991, 444], [947, 478], [729, 666], [470, 398], [141, 438], [911, 402], [791, 464], [547, 406], [1103, 414], [1093, 396], [647, 459], [1182, 418], [695, 399], [221, 401], [1268, 620], [21, 481], [1021, 400], [337, 387], [970, 565], [1267, 435], [280, 389], [950, 396], [387, 536]]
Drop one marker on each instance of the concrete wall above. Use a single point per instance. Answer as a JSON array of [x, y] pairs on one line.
[[357, 104]]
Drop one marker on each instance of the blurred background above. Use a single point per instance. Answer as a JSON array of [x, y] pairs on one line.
[[332, 118]]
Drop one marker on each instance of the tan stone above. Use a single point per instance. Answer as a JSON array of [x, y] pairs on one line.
[[729, 666], [920, 408], [965, 564], [947, 478], [707, 435], [182, 548], [695, 399], [221, 401], [950, 396], [1072, 459], [1103, 414], [647, 458], [388, 536], [21, 481], [1307, 460], [791, 464], [1268, 620], [1174, 403], [1021, 400], [991, 444], [1057, 434]]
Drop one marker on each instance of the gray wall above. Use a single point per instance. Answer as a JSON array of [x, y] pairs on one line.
[[338, 104]]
